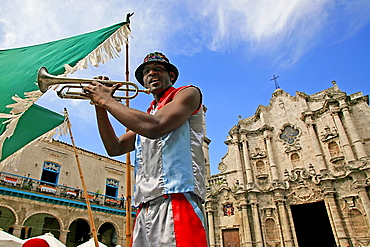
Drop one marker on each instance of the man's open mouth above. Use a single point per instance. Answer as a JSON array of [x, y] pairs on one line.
[[154, 82]]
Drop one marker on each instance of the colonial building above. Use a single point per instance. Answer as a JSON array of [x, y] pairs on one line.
[[42, 192], [296, 173]]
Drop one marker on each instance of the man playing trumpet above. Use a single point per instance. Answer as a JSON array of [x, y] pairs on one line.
[[169, 160]]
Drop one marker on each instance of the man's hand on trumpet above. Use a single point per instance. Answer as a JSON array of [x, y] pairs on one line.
[[100, 93]]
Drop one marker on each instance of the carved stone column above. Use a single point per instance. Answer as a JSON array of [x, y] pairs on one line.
[[343, 136], [248, 167], [63, 236], [336, 219], [235, 145], [362, 193], [352, 131], [365, 201], [284, 221], [316, 144], [291, 223], [247, 236], [270, 154], [211, 226], [256, 220]]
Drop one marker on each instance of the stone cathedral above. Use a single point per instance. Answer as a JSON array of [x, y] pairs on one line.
[[296, 173]]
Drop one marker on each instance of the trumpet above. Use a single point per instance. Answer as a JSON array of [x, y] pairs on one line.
[[75, 87]]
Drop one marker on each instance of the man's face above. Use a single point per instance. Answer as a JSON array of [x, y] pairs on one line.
[[156, 78]]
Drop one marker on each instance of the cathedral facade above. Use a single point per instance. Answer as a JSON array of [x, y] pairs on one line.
[[296, 173]]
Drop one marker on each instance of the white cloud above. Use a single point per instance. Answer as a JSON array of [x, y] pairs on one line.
[[284, 29]]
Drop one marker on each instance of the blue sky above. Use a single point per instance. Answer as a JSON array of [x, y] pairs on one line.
[[230, 49]]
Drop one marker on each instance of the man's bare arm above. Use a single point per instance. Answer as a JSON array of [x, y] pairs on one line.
[[168, 118], [113, 145]]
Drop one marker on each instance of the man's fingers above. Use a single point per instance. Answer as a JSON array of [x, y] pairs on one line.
[[116, 86], [101, 77]]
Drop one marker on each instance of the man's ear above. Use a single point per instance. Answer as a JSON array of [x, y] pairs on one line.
[[172, 75]]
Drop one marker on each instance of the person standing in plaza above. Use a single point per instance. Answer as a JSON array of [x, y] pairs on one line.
[[169, 161]]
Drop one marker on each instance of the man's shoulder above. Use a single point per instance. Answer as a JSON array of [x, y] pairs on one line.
[[193, 94], [188, 88]]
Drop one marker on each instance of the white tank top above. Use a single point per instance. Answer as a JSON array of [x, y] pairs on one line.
[[173, 163]]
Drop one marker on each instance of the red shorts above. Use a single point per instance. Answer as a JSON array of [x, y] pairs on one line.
[[175, 220]]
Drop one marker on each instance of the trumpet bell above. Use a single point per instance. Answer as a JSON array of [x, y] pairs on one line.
[[43, 79]]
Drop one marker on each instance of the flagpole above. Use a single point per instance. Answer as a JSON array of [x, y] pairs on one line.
[[128, 170], [93, 229], [128, 159]]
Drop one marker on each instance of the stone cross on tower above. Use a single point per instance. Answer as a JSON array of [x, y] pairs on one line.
[[274, 79]]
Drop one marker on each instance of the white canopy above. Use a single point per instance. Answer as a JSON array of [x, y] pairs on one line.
[[9, 240]]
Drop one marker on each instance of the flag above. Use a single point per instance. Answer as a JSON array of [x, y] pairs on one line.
[[22, 121]]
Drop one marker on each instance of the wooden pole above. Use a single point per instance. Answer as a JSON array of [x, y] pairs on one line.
[[128, 168], [93, 229]]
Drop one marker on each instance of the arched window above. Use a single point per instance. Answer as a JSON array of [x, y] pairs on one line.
[[296, 160], [260, 166], [272, 234], [333, 149]]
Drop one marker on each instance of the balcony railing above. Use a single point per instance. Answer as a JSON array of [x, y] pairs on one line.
[[39, 186]]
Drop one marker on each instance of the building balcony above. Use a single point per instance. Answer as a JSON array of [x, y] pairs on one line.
[[30, 188]]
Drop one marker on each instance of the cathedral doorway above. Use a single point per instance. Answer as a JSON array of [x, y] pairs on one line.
[[312, 225], [230, 238]]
